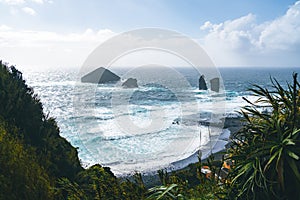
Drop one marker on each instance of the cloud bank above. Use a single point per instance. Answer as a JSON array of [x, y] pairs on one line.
[[20, 2], [22, 5], [43, 49], [29, 11], [238, 42], [243, 41]]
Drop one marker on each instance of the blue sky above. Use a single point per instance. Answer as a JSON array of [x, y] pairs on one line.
[[233, 32]]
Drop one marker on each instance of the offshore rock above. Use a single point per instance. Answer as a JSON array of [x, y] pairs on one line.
[[215, 84], [100, 75], [130, 83], [202, 83]]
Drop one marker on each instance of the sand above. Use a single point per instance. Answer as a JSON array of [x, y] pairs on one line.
[[231, 125]]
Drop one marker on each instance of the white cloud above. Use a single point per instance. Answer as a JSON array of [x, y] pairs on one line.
[[5, 28], [284, 32], [18, 5], [13, 2], [20, 2], [29, 11], [41, 1], [38, 1], [29, 38], [27, 48], [243, 41], [13, 11]]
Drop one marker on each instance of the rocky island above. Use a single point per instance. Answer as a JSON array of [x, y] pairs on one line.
[[130, 83], [100, 75], [202, 83]]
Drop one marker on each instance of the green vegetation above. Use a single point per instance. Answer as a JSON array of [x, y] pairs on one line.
[[20, 176], [189, 183], [23, 116], [265, 153], [37, 163], [266, 150]]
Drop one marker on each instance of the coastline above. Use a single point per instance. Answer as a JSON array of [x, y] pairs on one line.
[[231, 125]]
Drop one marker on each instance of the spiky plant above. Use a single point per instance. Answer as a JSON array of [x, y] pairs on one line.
[[170, 192], [266, 150]]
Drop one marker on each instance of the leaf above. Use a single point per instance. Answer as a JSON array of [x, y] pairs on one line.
[[293, 155], [273, 157], [296, 132], [294, 167], [168, 189], [288, 142]]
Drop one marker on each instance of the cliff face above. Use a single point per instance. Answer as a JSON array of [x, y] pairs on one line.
[[100, 75]]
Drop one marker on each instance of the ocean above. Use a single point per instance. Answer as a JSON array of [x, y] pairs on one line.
[[154, 126]]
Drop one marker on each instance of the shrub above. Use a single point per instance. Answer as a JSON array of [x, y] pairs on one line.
[[266, 150]]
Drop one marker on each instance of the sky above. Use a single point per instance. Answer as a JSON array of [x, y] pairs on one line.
[[62, 33]]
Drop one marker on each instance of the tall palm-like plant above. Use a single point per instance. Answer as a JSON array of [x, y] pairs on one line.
[[266, 150]]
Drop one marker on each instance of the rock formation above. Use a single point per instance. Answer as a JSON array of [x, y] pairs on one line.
[[130, 83], [202, 84], [215, 84], [100, 75]]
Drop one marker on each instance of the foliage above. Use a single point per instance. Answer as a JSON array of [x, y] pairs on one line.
[[165, 192], [22, 111], [188, 183], [69, 190], [20, 176], [134, 189], [98, 182], [36, 162], [266, 150]]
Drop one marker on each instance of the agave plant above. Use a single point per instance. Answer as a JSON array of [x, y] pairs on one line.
[[266, 150], [169, 192]]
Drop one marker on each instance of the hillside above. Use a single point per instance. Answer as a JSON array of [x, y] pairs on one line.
[[35, 161]]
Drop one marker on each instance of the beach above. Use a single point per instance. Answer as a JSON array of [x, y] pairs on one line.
[[232, 124]]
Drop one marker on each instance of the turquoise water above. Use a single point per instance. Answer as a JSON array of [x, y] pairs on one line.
[[149, 127]]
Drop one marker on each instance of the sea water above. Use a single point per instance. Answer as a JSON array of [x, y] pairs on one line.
[[112, 126]]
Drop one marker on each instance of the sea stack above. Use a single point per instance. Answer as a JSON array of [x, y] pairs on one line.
[[202, 84], [130, 83], [100, 75], [215, 84]]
